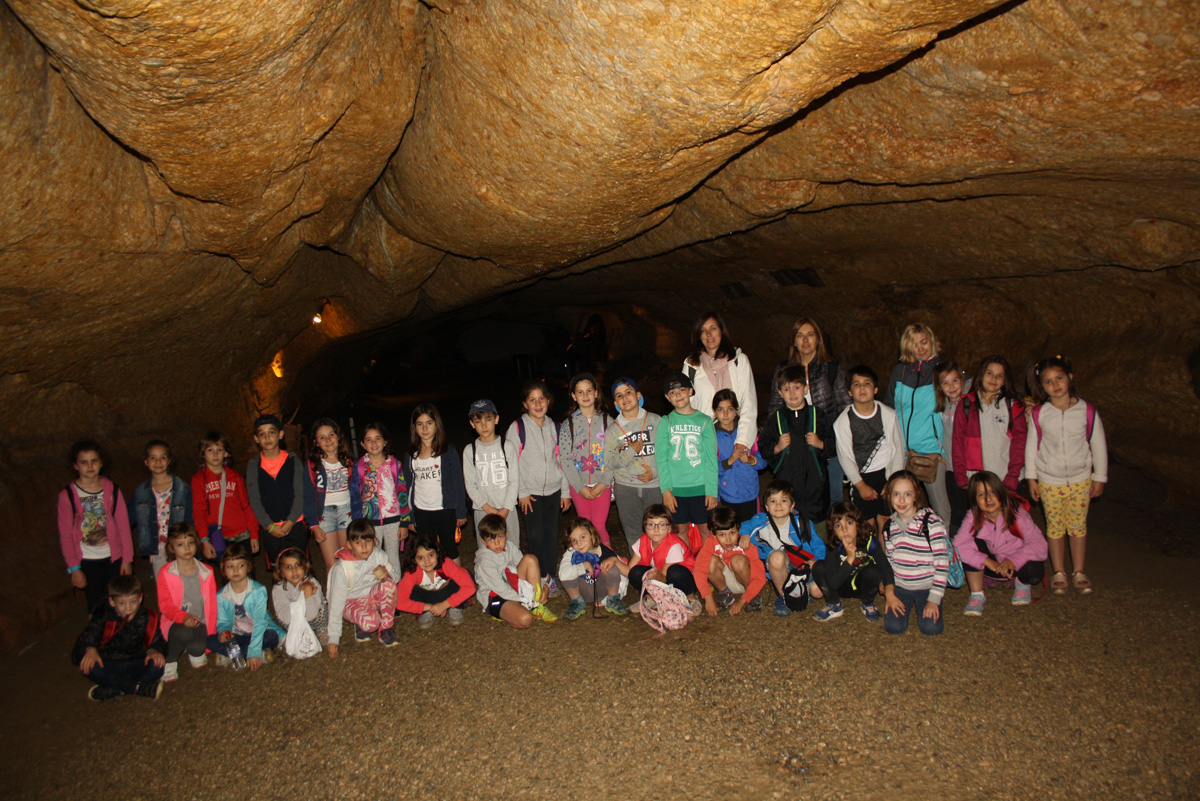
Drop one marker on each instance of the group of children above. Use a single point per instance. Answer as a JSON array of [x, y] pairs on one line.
[[687, 491]]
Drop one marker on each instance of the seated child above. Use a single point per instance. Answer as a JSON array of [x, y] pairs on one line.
[[662, 556], [796, 439], [789, 545], [589, 574], [510, 586], [362, 589], [726, 565], [914, 539], [187, 600], [294, 580], [433, 587], [854, 565], [869, 445], [242, 615], [121, 649], [998, 539], [158, 503]]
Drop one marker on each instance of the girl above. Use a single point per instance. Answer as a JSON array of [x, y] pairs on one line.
[[661, 555], [914, 539], [432, 587], [93, 526], [910, 392], [187, 600], [999, 539], [629, 458], [854, 565], [242, 614], [581, 452], [220, 505], [588, 568], [715, 363], [379, 492], [158, 504], [949, 383], [990, 426], [294, 580], [362, 589], [541, 487], [1066, 461], [433, 474], [329, 466], [738, 470]]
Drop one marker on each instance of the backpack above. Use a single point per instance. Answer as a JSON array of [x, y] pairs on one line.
[[521, 436], [1091, 422], [795, 587], [671, 611], [503, 452], [955, 576]]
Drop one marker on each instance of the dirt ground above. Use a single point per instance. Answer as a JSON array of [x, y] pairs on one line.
[[1072, 697]]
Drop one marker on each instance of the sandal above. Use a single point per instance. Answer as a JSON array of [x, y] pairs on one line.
[[1082, 585], [1059, 584]]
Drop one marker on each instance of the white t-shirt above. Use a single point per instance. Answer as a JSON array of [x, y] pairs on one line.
[[337, 484], [94, 534], [427, 483]]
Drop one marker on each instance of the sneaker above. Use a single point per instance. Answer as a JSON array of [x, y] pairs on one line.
[[828, 612], [696, 607], [552, 586], [269, 655], [171, 671], [871, 612], [222, 660], [425, 620], [387, 637], [755, 605], [725, 599], [360, 635], [1022, 594], [98, 693], [614, 604], [975, 605], [543, 613], [781, 608], [576, 609], [456, 616], [198, 662], [150, 689]]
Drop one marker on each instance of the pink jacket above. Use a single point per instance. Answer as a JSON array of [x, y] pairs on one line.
[[70, 524], [170, 596], [1003, 544]]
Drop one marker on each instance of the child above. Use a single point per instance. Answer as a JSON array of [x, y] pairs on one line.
[[685, 447], [275, 484], [1066, 461], [854, 565], [662, 556], [93, 526], [509, 585], [726, 565], [379, 493], [737, 469], [801, 464], [490, 472], [121, 649], [542, 489], [787, 542], [187, 600], [158, 504], [362, 589], [949, 383], [990, 426], [220, 505], [589, 568], [581, 452], [329, 466], [294, 580], [433, 587], [869, 445], [433, 473], [914, 539], [629, 456], [242, 615], [999, 539]]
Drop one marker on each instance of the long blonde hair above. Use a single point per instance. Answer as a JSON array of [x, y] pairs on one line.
[[908, 341]]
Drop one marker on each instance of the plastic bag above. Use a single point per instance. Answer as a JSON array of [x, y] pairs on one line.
[[301, 642]]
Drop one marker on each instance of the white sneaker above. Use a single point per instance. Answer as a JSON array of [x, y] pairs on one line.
[[198, 662], [170, 671]]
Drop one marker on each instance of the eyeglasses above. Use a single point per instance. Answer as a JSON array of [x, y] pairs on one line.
[[657, 525]]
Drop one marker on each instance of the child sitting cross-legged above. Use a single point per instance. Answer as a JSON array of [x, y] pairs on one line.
[[362, 589], [121, 650], [726, 565], [787, 542], [510, 585], [242, 614], [662, 556], [588, 572], [433, 587], [854, 565]]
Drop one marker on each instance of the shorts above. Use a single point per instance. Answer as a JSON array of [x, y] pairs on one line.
[[690, 510], [495, 602], [876, 480], [731, 580], [335, 518]]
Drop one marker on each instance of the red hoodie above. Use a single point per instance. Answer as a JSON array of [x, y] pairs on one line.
[[206, 502]]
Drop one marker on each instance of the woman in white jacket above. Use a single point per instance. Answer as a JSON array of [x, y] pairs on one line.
[[715, 364]]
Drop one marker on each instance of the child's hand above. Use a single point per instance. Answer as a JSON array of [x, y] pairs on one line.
[[784, 442], [647, 475], [191, 621], [653, 575], [932, 611], [461, 522], [78, 580], [332, 650], [710, 606], [740, 450], [737, 606], [489, 509], [1095, 492], [402, 532], [750, 459], [607, 564], [1006, 568], [814, 440], [744, 542], [710, 502], [156, 658], [225, 636], [526, 504], [286, 527], [126, 569], [91, 658], [565, 503], [308, 588], [439, 609], [318, 533], [865, 491], [254, 663], [380, 573], [668, 501], [893, 604], [1035, 493], [254, 546], [209, 550]]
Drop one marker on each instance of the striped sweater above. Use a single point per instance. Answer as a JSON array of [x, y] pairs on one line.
[[917, 553]]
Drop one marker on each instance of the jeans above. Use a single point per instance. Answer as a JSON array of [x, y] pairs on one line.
[[836, 476], [541, 531], [914, 603], [125, 674]]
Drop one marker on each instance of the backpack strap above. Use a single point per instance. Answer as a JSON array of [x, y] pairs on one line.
[[151, 627], [1037, 425], [691, 374], [1091, 422], [521, 436]]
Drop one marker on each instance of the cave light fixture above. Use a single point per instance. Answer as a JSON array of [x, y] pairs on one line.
[[807, 276], [320, 310]]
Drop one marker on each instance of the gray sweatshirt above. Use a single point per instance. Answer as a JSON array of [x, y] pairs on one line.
[[538, 472], [490, 473], [489, 572], [621, 461]]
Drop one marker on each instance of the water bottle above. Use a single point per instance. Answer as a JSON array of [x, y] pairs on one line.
[[236, 659]]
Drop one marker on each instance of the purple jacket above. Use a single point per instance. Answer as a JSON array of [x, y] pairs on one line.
[[1001, 542]]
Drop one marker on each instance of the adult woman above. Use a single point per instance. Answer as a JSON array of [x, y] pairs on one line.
[[910, 393], [826, 386], [716, 363]]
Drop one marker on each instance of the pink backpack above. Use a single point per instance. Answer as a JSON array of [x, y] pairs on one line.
[[671, 610]]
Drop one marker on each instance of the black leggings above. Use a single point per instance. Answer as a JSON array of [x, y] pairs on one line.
[[98, 573], [181, 638], [541, 531], [864, 586], [431, 597], [440, 523], [1028, 573], [678, 577]]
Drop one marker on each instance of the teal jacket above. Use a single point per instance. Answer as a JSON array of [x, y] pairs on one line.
[[256, 610]]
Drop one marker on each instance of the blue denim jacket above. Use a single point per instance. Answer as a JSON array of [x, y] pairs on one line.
[[143, 512]]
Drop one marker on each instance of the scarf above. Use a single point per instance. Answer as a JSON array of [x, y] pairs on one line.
[[717, 371]]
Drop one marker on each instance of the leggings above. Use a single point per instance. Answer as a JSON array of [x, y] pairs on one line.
[[389, 534], [959, 502], [936, 490], [181, 638], [610, 582], [678, 577], [440, 523], [1066, 508], [376, 611], [1028, 573], [424, 596], [98, 573], [541, 531], [595, 510], [864, 586]]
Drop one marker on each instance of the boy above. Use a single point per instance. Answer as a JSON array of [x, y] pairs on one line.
[[685, 447], [490, 473], [220, 504], [661, 555], [629, 454], [510, 585], [121, 649], [795, 440], [787, 543], [725, 564], [275, 484], [869, 445]]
